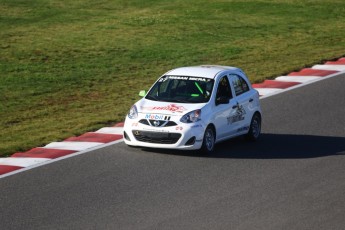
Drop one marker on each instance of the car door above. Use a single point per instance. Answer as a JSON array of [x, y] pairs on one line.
[[244, 99], [223, 108]]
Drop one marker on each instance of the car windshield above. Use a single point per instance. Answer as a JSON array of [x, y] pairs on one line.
[[181, 89]]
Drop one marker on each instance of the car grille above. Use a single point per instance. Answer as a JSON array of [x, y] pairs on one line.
[[161, 123], [156, 137]]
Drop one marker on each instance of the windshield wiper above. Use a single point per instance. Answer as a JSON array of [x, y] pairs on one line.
[[179, 100]]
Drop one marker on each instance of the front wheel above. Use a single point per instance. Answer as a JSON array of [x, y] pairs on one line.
[[208, 140], [255, 128]]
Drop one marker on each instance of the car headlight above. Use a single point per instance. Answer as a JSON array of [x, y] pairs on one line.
[[133, 112], [191, 117]]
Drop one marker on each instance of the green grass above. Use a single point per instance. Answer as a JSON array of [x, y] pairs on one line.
[[67, 67]]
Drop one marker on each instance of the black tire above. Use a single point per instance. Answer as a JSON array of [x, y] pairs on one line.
[[255, 128], [208, 141]]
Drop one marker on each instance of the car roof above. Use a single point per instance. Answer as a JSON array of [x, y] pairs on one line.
[[207, 71]]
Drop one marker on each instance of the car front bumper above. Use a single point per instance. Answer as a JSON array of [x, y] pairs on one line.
[[183, 136]]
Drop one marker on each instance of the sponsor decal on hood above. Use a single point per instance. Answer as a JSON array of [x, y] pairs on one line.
[[166, 108], [171, 107]]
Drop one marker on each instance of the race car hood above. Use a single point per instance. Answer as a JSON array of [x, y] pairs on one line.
[[167, 108]]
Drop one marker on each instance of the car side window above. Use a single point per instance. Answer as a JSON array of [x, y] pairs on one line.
[[224, 90], [240, 85]]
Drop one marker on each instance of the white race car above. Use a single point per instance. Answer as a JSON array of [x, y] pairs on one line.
[[193, 108]]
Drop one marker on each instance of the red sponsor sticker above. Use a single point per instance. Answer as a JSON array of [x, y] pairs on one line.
[[172, 108]]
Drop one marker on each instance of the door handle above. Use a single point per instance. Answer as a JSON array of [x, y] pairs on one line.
[[251, 100], [236, 106]]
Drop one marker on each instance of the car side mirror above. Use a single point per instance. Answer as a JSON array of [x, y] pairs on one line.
[[222, 100], [142, 93]]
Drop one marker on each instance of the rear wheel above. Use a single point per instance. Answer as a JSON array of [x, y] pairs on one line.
[[209, 140], [255, 128]]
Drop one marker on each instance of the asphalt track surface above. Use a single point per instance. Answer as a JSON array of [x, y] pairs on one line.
[[292, 178]]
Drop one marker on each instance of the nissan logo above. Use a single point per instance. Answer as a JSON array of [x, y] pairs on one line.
[[156, 123]]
